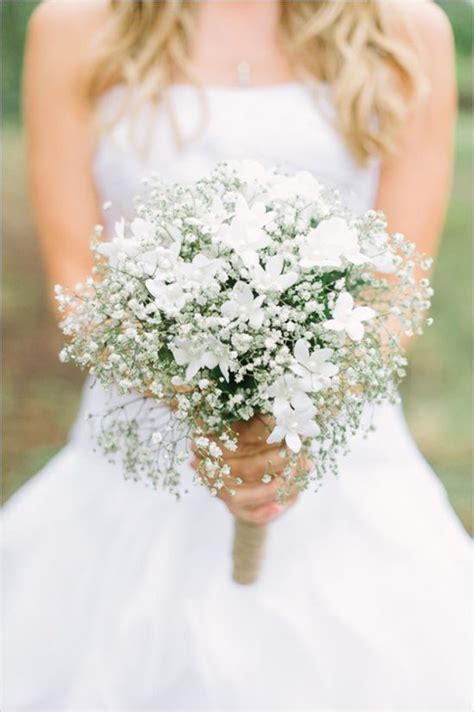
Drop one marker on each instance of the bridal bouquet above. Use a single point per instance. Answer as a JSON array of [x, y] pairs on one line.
[[247, 293]]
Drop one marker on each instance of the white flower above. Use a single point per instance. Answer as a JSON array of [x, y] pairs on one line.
[[196, 355], [346, 318], [314, 366], [331, 240], [200, 272], [379, 254], [291, 423], [270, 278], [218, 354], [120, 246], [245, 235], [161, 262], [241, 342], [148, 261], [290, 389], [170, 298], [215, 214], [302, 184], [141, 229], [384, 262], [244, 306], [189, 353]]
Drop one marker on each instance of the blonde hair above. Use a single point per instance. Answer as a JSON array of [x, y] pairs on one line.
[[146, 45]]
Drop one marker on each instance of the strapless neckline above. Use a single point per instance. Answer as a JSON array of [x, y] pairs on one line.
[[238, 91], [290, 126], [248, 88]]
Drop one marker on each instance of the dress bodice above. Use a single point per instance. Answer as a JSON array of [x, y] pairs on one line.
[[290, 126]]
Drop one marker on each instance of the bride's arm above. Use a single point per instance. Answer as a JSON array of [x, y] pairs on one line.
[[59, 137], [415, 183]]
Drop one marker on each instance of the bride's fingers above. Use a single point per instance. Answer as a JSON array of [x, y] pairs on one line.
[[251, 466], [265, 513], [258, 503], [254, 492], [255, 495]]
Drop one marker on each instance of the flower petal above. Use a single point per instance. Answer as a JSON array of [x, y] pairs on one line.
[[192, 369], [301, 401], [363, 313], [293, 441], [344, 304], [334, 325], [276, 436], [301, 350], [355, 330], [274, 265]]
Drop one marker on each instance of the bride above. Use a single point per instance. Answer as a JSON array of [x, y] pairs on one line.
[[117, 597]]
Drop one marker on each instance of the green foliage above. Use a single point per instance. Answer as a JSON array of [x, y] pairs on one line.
[[464, 71], [460, 14], [14, 17]]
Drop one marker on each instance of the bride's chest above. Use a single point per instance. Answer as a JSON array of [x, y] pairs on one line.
[[284, 126]]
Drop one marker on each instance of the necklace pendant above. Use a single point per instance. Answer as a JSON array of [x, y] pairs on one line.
[[243, 73]]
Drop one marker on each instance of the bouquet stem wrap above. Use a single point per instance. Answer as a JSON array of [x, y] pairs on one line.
[[248, 551]]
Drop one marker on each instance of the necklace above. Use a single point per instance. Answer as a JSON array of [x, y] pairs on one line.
[[244, 73]]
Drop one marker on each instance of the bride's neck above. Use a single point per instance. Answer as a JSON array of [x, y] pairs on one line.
[[229, 34]]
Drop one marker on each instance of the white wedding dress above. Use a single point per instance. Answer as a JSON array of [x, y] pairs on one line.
[[118, 597]]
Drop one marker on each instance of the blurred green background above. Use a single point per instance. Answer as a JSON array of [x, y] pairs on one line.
[[41, 395]]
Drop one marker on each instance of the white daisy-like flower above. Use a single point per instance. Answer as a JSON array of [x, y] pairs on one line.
[[291, 424], [290, 389], [161, 262], [349, 319], [243, 306], [141, 229], [120, 246], [272, 278], [313, 365], [329, 243], [245, 234], [196, 355], [169, 298], [200, 272]]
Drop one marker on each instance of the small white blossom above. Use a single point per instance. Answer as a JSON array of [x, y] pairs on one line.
[[245, 234], [328, 243], [197, 354], [243, 306], [291, 424], [349, 319], [272, 278], [200, 272], [313, 365], [170, 298], [290, 389], [119, 246]]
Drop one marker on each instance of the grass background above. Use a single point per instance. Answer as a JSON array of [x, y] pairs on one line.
[[40, 395]]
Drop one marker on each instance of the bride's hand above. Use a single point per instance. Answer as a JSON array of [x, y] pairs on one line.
[[255, 501]]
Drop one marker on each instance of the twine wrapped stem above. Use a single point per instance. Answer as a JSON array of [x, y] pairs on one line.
[[248, 551]]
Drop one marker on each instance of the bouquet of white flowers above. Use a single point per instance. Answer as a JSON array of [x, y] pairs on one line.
[[247, 293]]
